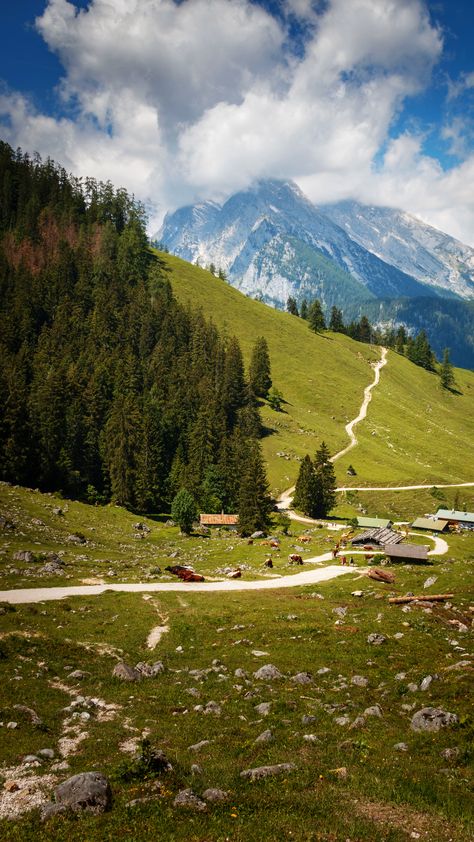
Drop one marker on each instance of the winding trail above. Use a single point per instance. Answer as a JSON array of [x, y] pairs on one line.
[[363, 409], [401, 487]]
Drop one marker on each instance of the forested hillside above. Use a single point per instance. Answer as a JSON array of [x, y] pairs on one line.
[[109, 388]]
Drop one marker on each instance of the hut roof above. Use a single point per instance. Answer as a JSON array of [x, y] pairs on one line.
[[433, 524], [374, 522], [451, 514], [406, 551], [218, 520], [378, 536]]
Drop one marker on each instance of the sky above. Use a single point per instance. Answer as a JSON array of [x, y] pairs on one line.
[[185, 101]]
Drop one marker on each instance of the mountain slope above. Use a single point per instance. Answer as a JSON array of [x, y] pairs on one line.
[[400, 239], [247, 236], [322, 378]]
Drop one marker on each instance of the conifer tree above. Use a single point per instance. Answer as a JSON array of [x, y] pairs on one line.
[[316, 318], [259, 372], [325, 482], [303, 499], [400, 340], [446, 372], [292, 306], [255, 503], [234, 390], [304, 309], [365, 330], [336, 322]]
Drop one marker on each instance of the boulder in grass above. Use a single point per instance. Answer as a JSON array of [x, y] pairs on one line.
[[215, 795], [432, 720], [125, 672], [188, 800], [88, 791], [260, 772], [268, 673]]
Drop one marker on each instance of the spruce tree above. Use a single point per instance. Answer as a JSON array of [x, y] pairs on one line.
[[325, 482], [292, 306], [304, 309], [336, 322], [446, 372], [259, 371], [316, 318], [365, 330], [255, 504], [303, 499]]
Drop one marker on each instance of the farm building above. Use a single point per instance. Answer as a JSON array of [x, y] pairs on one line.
[[230, 521], [464, 519], [378, 537], [373, 522], [415, 552], [431, 524]]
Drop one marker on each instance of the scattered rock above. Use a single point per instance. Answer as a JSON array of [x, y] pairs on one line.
[[30, 713], [432, 719], [149, 670], [260, 772], [342, 720], [258, 534], [77, 674], [212, 707], [359, 681], [142, 527], [47, 753], [89, 791], [311, 738], [308, 719], [196, 769], [340, 611], [302, 678], [374, 710], [430, 581], [376, 639], [357, 593], [340, 773], [426, 682], [24, 555], [400, 747], [76, 539], [450, 753], [324, 671], [240, 673], [125, 672], [199, 746], [359, 722], [12, 725], [188, 800], [268, 673], [215, 795], [265, 737], [263, 709]]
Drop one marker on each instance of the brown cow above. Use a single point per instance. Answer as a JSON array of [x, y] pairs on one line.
[[189, 576], [294, 558], [268, 562], [304, 539]]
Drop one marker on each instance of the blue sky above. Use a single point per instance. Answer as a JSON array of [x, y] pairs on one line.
[[365, 99]]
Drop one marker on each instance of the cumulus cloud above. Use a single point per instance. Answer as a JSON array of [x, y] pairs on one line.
[[190, 100]]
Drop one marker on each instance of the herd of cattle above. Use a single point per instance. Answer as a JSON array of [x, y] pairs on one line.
[[186, 574]]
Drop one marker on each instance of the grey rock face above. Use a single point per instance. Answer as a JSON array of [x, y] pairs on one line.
[[268, 673], [125, 672], [432, 720], [88, 791], [188, 800], [260, 772]]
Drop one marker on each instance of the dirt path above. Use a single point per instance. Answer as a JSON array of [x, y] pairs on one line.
[[400, 487], [306, 577], [363, 410]]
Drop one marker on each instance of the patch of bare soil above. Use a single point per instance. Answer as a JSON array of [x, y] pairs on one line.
[[23, 791], [416, 825]]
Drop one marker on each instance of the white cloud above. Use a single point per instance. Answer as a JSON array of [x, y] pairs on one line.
[[194, 100]]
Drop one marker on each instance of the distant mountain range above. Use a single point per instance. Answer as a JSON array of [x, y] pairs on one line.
[[272, 242]]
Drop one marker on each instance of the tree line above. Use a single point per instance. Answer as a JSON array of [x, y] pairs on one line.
[[415, 348], [109, 388]]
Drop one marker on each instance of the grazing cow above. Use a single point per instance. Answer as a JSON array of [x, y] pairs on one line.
[[176, 569], [250, 541], [294, 558], [275, 545], [235, 574], [268, 562], [304, 539]]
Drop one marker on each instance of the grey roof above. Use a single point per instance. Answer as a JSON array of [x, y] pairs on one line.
[[407, 551], [434, 524], [378, 536], [451, 514]]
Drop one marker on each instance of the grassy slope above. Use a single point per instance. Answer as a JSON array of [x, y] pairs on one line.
[[422, 434]]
